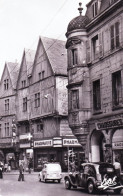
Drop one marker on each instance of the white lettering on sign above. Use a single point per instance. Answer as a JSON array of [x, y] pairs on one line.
[[117, 145], [71, 142], [42, 143]]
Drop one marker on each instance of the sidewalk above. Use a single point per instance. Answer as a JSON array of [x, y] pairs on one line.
[[16, 172]]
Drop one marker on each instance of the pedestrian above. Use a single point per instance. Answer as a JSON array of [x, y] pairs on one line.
[[1, 172], [21, 172], [29, 166], [117, 167]]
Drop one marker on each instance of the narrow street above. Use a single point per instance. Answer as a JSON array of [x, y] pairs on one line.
[[9, 186]]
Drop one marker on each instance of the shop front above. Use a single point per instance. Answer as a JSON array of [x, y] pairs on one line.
[[106, 141], [26, 150], [117, 146], [56, 150]]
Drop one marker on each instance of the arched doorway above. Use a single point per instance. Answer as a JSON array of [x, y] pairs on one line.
[[117, 146], [97, 146]]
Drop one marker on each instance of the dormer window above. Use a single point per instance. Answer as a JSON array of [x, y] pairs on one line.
[[6, 84], [94, 8]]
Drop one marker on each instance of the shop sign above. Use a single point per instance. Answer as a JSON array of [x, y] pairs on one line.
[[57, 142], [43, 143], [71, 142], [25, 145], [117, 145], [109, 124]]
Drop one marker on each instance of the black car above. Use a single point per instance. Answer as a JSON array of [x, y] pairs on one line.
[[94, 177]]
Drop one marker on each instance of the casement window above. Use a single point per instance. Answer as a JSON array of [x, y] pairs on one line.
[[6, 84], [23, 83], [96, 95], [39, 127], [116, 88], [25, 104], [41, 75], [7, 130], [97, 46], [114, 36], [74, 99], [37, 100], [94, 8], [6, 104]]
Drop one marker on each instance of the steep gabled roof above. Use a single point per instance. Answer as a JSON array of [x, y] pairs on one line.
[[57, 54], [13, 69]]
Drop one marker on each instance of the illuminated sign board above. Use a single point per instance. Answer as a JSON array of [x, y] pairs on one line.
[[71, 142], [43, 143], [109, 124]]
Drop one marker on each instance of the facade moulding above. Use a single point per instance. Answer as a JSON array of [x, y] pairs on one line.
[[103, 15]]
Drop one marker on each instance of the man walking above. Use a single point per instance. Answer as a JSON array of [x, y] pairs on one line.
[[21, 172]]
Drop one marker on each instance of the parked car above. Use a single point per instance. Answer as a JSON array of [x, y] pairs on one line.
[[94, 177], [50, 171]]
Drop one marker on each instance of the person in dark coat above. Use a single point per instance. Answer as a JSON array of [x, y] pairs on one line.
[[21, 173], [1, 172]]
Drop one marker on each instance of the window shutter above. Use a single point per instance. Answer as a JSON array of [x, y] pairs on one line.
[[117, 34], [112, 37], [88, 51], [100, 45]]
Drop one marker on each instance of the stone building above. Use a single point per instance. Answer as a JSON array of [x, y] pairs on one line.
[[95, 79]]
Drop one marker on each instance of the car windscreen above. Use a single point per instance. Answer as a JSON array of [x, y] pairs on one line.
[[54, 167]]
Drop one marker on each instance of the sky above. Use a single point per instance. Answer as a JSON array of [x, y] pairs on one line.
[[23, 21]]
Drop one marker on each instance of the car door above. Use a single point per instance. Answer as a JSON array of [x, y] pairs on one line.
[[84, 175]]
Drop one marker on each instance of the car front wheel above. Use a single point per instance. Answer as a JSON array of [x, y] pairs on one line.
[[90, 187], [67, 184], [39, 178]]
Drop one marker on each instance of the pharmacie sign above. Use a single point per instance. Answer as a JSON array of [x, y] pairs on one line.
[[43, 143], [71, 142], [109, 124]]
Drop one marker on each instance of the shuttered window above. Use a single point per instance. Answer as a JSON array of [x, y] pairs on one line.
[[25, 104], [96, 95], [116, 88], [75, 99], [115, 36]]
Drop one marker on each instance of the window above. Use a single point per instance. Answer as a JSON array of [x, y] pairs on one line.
[[41, 75], [6, 84], [95, 45], [39, 127], [7, 129], [114, 35], [0, 130], [6, 104], [25, 104], [96, 95], [75, 99], [74, 56], [37, 100], [23, 83], [94, 8], [116, 88]]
